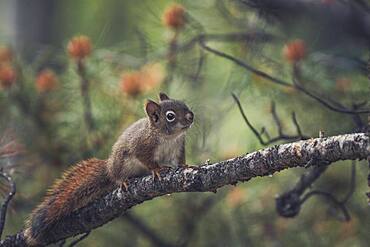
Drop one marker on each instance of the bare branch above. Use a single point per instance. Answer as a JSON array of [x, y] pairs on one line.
[[85, 94], [259, 137], [328, 103], [85, 235], [145, 230], [206, 178], [245, 65], [7, 200], [331, 199], [276, 118], [171, 59], [281, 136], [281, 82], [352, 184], [197, 212], [295, 122], [200, 65], [289, 204], [319, 98]]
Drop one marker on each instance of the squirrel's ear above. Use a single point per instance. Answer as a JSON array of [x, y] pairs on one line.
[[152, 110], [163, 96]]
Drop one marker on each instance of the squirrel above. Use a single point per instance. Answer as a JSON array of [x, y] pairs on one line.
[[147, 145]]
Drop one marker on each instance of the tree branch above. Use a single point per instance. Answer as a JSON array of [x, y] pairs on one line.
[[85, 95], [145, 230], [289, 203], [207, 178], [328, 103], [8, 198], [281, 136]]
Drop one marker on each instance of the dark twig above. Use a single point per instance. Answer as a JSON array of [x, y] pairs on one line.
[[298, 128], [329, 103], [197, 212], [226, 37], [145, 230], [289, 204], [62, 243], [265, 132], [319, 98], [7, 200], [356, 118], [331, 199], [352, 184], [255, 36], [245, 65], [247, 121], [281, 136], [200, 65], [332, 106], [85, 235], [276, 119], [85, 94], [171, 59]]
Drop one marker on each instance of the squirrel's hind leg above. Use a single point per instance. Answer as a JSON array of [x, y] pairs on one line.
[[156, 174]]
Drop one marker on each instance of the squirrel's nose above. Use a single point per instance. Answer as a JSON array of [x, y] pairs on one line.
[[189, 116]]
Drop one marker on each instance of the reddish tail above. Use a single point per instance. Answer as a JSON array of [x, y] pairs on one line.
[[80, 185]]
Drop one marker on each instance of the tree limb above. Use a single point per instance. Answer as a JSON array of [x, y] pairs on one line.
[[281, 136], [289, 203], [207, 178], [8, 198], [146, 230], [328, 103]]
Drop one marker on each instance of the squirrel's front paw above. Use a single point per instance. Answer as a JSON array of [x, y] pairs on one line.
[[124, 186]]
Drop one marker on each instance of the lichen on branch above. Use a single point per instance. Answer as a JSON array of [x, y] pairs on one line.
[[207, 178]]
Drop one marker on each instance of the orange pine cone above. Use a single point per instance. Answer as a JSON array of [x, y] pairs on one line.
[[174, 17], [294, 51], [7, 76], [145, 79], [6, 54], [46, 81], [79, 47], [131, 83]]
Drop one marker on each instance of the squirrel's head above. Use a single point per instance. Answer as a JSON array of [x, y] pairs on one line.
[[171, 117]]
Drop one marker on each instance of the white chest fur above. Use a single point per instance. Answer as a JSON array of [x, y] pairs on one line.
[[168, 151]]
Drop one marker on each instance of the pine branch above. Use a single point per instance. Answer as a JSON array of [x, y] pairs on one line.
[[207, 178]]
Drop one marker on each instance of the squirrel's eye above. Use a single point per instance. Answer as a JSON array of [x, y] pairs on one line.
[[170, 116]]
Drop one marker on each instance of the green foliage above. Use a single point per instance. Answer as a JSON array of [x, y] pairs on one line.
[[129, 35]]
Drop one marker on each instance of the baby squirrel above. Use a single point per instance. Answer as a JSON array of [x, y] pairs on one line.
[[146, 146]]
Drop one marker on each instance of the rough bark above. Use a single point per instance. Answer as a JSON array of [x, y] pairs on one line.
[[207, 178]]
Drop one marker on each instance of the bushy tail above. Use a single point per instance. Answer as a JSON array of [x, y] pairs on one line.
[[79, 186]]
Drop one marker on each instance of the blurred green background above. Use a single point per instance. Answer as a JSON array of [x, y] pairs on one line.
[[130, 38]]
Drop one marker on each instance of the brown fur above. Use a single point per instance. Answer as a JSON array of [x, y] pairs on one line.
[[148, 144], [79, 185], [136, 151]]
